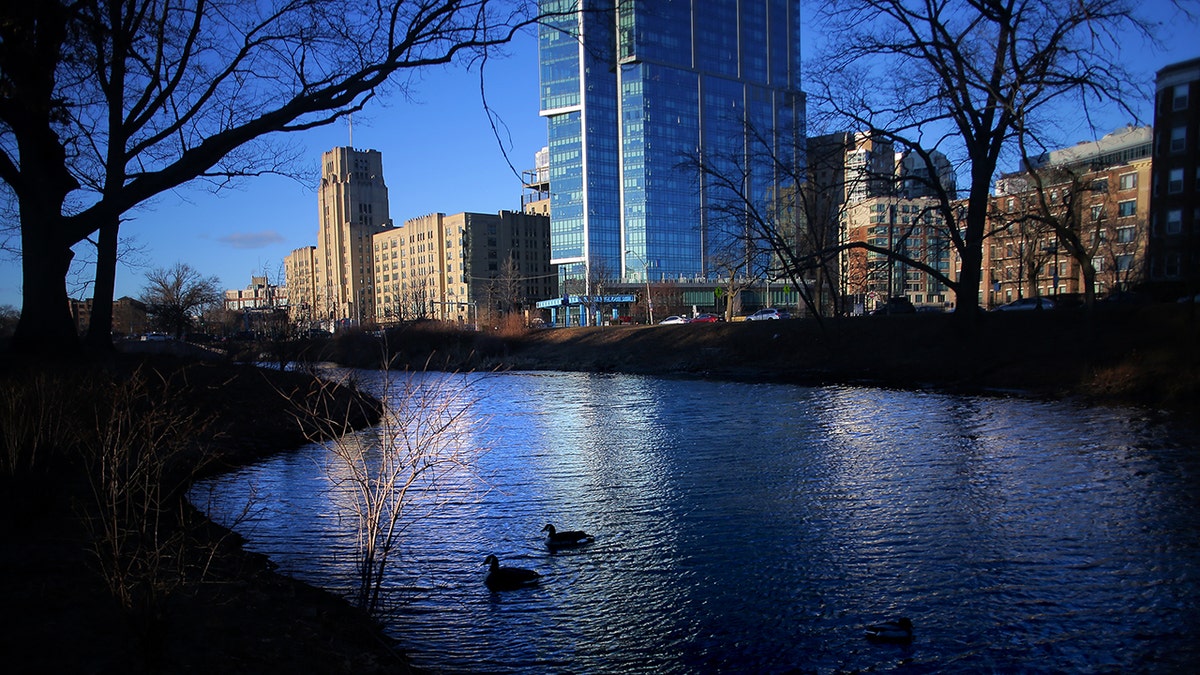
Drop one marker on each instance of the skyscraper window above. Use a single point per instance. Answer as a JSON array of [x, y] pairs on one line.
[[631, 91]]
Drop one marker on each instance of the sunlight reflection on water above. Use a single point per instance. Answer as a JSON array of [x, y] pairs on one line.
[[757, 528]]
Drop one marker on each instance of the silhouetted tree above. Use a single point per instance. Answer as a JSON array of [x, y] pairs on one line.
[[175, 296], [105, 104], [972, 77]]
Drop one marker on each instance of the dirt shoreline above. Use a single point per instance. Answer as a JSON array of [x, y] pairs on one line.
[[1141, 356], [241, 617]]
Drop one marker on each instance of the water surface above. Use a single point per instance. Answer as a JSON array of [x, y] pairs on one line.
[[746, 528]]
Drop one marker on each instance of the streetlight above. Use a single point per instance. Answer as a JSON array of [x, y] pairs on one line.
[[646, 271]]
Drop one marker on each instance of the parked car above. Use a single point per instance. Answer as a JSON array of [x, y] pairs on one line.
[[897, 304], [706, 318], [1026, 304], [674, 319], [768, 314]]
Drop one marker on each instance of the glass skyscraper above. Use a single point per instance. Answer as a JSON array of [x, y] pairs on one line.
[[630, 91]]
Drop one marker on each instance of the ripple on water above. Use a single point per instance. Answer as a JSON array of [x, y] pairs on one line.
[[757, 528]]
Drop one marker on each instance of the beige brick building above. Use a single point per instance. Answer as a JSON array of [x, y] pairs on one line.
[[462, 267], [300, 269], [353, 207]]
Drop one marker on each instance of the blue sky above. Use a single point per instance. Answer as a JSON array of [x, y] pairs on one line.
[[439, 154]]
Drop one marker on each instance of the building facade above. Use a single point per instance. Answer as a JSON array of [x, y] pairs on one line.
[[128, 316], [300, 273], [1174, 243], [631, 89], [462, 267], [536, 198], [861, 193], [353, 207], [261, 294], [1080, 217], [914, 228]]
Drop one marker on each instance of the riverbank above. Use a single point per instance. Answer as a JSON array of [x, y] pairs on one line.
[[1142, 355], [198, 602]]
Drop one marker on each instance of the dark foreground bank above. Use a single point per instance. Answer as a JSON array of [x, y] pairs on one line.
[[210, 606]]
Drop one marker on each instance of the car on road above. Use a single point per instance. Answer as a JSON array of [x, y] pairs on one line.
[[1026, 304], [898, 304], [706, 318], [673, 319], [768, 314]]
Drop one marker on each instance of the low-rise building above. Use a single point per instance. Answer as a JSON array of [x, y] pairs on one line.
[[128, 316], [260, 294], [462, 266], [1078, 219]]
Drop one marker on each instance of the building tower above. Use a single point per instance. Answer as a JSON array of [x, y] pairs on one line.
[[630, 90], [353, 203], [1174, 246]]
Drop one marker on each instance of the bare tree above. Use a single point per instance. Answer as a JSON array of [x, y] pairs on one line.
[[972, 76], [174, 297], [108, 103], [505, 288], [735, 276], [388, 474]]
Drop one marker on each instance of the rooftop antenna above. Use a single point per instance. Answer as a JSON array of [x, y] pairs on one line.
[[350, 122]]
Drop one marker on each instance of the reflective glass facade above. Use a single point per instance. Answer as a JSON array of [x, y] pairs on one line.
[[629, 93]]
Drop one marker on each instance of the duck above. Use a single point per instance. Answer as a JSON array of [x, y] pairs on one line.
[[555, 539], [899, 631], [508, 578]]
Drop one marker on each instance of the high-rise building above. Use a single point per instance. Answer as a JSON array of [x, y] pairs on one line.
[[353, 203], [631, 90], [1174, 246]]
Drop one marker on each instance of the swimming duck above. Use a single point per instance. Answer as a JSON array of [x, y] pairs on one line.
[[566, 539], [899, 631], [507, 578]]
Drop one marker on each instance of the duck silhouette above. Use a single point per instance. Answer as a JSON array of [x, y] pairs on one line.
[[507, 578], [899, 631], [555, 539]]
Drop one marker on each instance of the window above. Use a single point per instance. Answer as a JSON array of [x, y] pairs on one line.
[[1100, 185], [1124, 262], [1127, 208], [1126, 235], [1171, 266], [1179, 97], [1178, 139], [1097, 212], [1175, 181], [1174, 221], [1128, 181]]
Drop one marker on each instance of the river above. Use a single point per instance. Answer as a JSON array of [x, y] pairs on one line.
[[757, 528]]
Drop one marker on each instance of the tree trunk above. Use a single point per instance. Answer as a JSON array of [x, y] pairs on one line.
[[99, 335], [46, 327], [967, 293]]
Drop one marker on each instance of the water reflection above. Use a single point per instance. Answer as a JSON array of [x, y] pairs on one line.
[[757, 528]]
